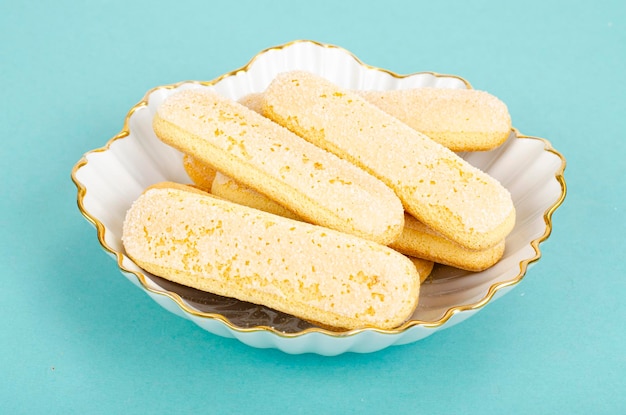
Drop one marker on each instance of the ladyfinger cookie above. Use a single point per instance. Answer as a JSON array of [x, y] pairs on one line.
[[229, 189], [205, 178], [415, 240], [423, 266], [315, 273], [315, 184], [201, 174], [418, 240], [459, 119], [435, 185]]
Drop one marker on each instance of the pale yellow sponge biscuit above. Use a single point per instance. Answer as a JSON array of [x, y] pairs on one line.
[[416, 239], [201, 174], [309, 271], [435, 185], [459, 119], [420, 241], [315, 184], [207, 179], [229, 189], [423, 266]]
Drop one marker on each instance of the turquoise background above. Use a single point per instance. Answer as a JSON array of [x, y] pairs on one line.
[[77, 337]]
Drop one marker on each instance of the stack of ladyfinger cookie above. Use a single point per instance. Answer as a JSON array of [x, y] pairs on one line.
[[328, 204]]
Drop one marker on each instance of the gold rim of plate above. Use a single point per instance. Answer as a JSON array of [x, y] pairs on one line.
[[493, 289]]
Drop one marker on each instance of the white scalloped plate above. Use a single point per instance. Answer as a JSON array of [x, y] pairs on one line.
[[110, 178]]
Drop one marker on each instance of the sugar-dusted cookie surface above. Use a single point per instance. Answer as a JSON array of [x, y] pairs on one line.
[[315, 184], [229, 189], [416, 239], [435, 185], [420, 241], [317, 274], [459, 119]]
